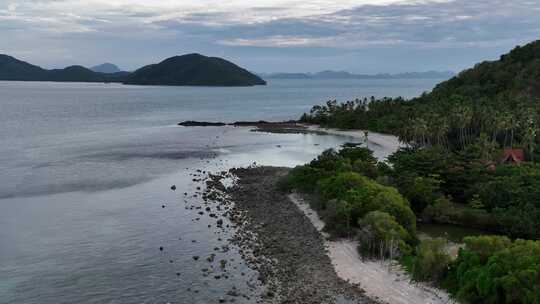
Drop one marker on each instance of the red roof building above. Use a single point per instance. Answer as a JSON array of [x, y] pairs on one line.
[[513, 156]]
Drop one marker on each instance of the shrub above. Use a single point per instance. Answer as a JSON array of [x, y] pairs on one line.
[[338, 217], [421, 191], [303, 178], [326, 161], [365, 168], [492, 269], [381, 235], [486, 245], [431, 260], [338, 186], [439, 212], [364, 195]]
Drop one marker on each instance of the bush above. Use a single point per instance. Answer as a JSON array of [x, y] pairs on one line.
[[439, 212], [444, 211], [364, 195], [358, 153], [365, 168], [381, 235], [421, 191], [328, 161], [339, 185], [492, 269], [303, 178], [389, 200], [431, 260], [338, 217], [486, 245]]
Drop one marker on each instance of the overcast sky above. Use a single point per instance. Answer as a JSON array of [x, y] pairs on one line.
[[364, 36]]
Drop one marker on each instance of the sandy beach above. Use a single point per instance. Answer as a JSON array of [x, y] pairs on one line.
[[283, 239], [382, 281]]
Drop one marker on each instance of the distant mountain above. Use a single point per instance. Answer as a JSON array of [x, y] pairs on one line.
[[426, 75], [107, 68], [191, 69], [333, 75], [284, 75], [14, 69], [194, 70], [347, 75]]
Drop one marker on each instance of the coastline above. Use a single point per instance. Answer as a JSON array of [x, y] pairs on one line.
[[281, 237], [281, 243], [382, 280], [386, 143]]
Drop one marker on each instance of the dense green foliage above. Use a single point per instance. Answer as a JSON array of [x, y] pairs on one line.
[[493, 269], [196, 70], [497, 102], [451, 170], [517, 72], [382, 115], [488, 269], [457, 188], [352, 202], [363, 195], [430, 262], [13, 69], [381, 235]]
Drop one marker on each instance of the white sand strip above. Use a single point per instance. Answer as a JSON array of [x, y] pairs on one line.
[[382, 281], [382, 144]]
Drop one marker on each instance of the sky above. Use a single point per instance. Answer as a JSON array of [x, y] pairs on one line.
[[361, 36]]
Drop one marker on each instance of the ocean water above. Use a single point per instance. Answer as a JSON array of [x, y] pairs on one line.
[[86, 168]]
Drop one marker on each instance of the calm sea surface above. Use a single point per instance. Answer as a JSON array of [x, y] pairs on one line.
[[86, 168]]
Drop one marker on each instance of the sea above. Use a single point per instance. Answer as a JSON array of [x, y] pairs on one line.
[[87, 214]]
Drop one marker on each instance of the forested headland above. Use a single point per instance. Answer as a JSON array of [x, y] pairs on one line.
[[470, 160]]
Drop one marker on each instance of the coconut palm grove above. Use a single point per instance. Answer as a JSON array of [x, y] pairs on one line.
[[469, 159]]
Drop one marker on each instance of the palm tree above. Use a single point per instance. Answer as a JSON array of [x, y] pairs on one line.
[[529, 136], [462, 116], [514, 124], [419, 130], [506, 124]]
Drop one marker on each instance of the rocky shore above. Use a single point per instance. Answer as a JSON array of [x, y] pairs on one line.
[[279, 241], [282, 127]]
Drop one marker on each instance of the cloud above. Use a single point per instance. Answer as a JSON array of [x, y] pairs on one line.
[[135, 32], [278, 41], [282, 23], [428, 24]]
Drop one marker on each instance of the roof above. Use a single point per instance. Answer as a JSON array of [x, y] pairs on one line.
[[512, 155]]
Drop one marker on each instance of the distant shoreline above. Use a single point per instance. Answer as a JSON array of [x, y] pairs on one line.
[[132, 84]]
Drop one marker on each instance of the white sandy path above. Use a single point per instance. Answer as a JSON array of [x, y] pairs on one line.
[[380, 283]]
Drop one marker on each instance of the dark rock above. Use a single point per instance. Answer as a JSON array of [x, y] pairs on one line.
[[280, 243]]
